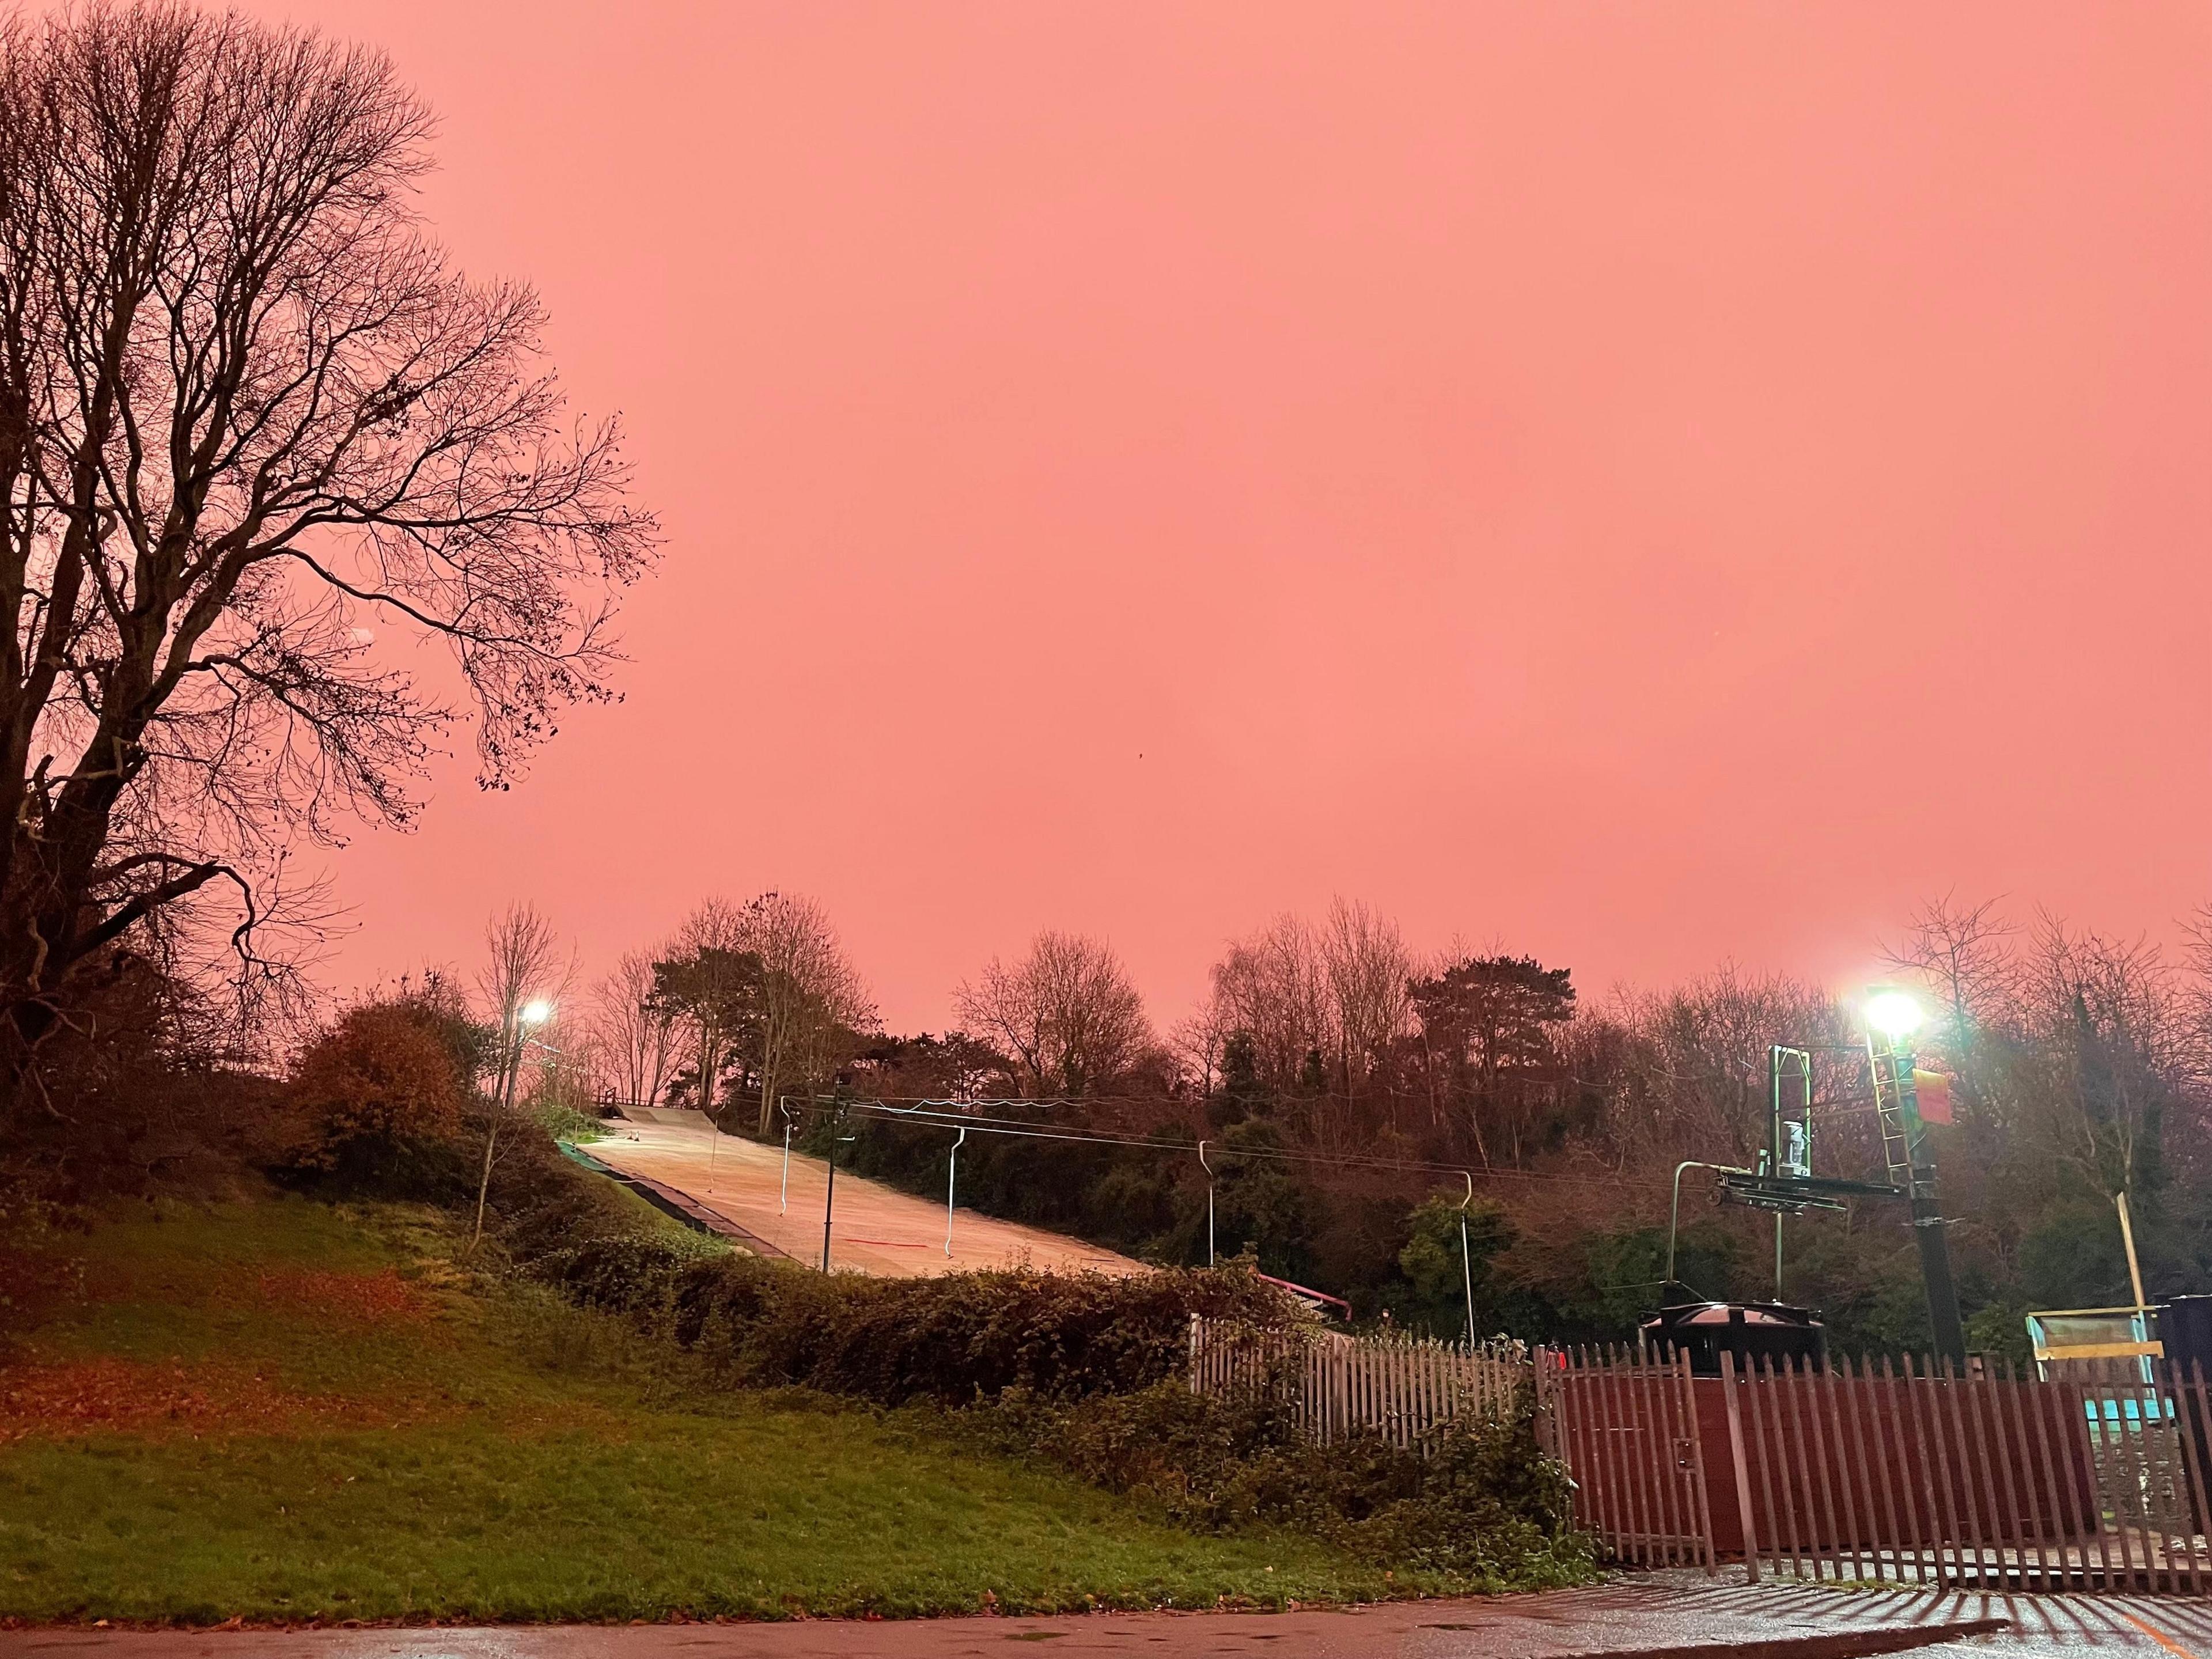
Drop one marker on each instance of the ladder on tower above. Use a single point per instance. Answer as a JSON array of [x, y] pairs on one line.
[[1891, 1082]]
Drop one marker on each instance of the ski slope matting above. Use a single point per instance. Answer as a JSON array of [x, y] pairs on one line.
[[875, 1230]]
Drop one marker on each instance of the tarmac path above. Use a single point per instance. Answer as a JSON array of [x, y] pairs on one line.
[[875, 1229], [1655, 1621]]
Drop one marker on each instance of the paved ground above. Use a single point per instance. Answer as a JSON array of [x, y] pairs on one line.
[[1642, 1619], [876, 1230], [1613, 1619]]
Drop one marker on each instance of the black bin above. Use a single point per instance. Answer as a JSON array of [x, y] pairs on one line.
[[1772, 1334], [2185, 1329]]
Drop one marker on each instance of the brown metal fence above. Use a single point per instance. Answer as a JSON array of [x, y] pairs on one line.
[[1859, 1471], [1627, 1427], [1401, 1387]]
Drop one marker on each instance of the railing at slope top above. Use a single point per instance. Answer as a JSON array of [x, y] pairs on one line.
[[1402, 1386]]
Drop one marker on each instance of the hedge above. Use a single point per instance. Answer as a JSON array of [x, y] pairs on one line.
[[951, 1338]]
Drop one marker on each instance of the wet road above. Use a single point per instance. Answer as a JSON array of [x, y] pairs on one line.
[[1767, 1622]]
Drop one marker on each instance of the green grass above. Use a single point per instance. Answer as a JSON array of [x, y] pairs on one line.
[[279, 1431]]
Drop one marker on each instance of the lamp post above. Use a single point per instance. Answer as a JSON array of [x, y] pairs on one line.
[[536, 1011]]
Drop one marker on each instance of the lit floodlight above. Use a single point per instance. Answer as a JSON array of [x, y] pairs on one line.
[[1893, 1013], [537, 1012]]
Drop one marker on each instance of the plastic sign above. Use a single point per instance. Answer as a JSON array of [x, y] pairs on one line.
[[1933, 1089]]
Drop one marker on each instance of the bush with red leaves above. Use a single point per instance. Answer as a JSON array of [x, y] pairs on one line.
[[378, 1093]]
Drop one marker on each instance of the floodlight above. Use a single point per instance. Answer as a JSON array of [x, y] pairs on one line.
[[537, 1012], [1893, 1013]]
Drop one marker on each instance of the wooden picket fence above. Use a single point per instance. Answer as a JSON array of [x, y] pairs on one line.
[[2092, 1479], [1402, 1386]]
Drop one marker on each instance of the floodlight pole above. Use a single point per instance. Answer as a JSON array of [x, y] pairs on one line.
[[1889, 1063], [952, 1175], [1775, 1054], [1208, 1168], [1466, 1257], [829, 1193]]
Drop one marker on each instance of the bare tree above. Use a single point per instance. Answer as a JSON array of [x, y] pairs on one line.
[[1369, 972], [1688, 1065], [811, 997], [1273, 987], [1198, 1039], [635, 1036], [2109, 1032], [1965, 956], [248, 417], [525, 965], [1066, 1012]]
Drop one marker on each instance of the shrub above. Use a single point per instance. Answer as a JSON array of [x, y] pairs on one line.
[[1482, 1506], [564, 1122], [950, 1339], [376, 1093]]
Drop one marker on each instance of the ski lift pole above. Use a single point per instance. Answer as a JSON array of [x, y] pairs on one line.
[[1787, 1155], [1467, 1258], [1675, 1212], [1208, 1168], [830, 1193], [1890, 1018], [952, 1174]]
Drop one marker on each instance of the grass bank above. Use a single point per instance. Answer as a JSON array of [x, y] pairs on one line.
[[287, 1411]]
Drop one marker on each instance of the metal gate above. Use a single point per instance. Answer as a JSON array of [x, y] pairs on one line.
[[1627, 1427]]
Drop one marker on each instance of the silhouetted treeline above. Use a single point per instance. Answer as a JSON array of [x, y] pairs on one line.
[[2082, 1068]]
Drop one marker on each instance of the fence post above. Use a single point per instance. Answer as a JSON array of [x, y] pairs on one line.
[[1742, 1467]]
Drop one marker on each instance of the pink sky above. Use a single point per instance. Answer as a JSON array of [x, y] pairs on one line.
[[1640, 483]]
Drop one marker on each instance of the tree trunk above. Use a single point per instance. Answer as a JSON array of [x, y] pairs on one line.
[[483, 1185]]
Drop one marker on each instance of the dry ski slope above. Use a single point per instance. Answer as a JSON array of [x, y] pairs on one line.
[[875, 1230]]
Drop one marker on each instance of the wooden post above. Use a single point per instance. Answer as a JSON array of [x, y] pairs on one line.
[[1737, 1458]]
